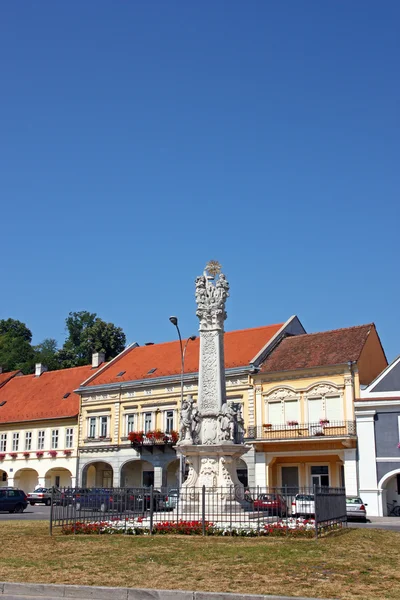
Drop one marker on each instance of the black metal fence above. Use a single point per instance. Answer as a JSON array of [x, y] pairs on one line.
[[231, 511]]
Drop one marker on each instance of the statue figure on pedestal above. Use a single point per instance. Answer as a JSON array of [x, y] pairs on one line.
[[226, 420], [186, 421]]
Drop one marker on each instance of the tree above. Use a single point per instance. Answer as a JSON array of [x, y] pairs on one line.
[[87, 333], [47, 353], [17, 329], [15, 353]]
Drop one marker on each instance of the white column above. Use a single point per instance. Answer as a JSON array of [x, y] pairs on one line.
[[259, 414], [261, 470], [158, 476], [368, 480], [349, 396], [350, 472], [251, 410]]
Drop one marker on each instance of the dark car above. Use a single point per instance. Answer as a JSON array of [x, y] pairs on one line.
[[13, 501]]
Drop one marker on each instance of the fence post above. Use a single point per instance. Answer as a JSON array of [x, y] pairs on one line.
[[125, 507], [315, 511], [151, 509], [286, 511], [203, 509], [51, 511]]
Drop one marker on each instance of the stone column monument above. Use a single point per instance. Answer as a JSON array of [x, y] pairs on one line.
[[211, 431]]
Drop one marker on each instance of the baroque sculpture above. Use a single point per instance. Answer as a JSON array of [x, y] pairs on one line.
[[211, 430]]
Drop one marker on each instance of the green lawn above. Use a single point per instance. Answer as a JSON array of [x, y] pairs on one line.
[[357, 563]]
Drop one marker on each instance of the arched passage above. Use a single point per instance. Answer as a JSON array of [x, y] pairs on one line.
[[137, 473], [389, 488], [241, 470], [97, 474], [172, 474], [3, 478], [58, 477], [26, 480]]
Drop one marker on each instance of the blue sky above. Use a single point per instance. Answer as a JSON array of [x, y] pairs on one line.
[[141, 139]]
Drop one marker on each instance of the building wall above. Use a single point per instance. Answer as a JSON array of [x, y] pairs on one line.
[[28, 471], [372, 360]]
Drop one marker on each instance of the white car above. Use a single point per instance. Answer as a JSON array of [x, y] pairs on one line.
[[303, 505]]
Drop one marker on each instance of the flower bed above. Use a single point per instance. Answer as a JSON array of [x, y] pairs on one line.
[[285, 527]]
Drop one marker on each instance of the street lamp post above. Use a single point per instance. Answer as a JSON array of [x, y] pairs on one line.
[[174, 321]]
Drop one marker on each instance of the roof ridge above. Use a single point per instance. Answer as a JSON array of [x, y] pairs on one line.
[[301, 335], [55, 371]]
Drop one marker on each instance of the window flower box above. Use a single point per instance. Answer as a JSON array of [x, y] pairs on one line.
[[174, 436], [26, 454], [39, 454], [324, 422], [292, 423], [136, 437], [150, 435], [67, 452], [13, 454], [267, 425], [2, 456], [53, 453]]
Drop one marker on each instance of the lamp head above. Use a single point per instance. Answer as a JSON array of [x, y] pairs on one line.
[[174, 320], [192, 338]]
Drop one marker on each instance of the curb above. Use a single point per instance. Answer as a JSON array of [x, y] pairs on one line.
[[87, 592]]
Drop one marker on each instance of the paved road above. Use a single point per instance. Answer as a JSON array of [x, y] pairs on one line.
[[32, 513], [390, 523]]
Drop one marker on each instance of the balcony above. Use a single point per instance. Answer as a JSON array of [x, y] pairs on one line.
[[302, 431], [152, 439]]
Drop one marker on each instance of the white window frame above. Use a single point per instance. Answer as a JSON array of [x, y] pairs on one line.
[[129, 426], [3, 442], [69, 437], [28, 440], [55, 433], [103, 419], [145, 429], [90, 421], [166, 429], [41, 439], [15, 442]]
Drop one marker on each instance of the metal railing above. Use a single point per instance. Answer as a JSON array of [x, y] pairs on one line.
[[301, 431], [232, 511]]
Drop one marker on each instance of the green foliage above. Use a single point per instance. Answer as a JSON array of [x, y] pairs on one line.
[[87, 333]]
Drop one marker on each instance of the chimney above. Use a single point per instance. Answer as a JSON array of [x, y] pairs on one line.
[[97, 359], [39, 369]]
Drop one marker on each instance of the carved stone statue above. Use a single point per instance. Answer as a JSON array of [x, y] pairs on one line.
[[226, 420], [186, 421], [211, 298]]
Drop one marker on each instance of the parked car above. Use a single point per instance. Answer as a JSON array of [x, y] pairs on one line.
[[303, 505], [12, 501], [95, 499], [171, 500], [40, 496], [273, 503], [355, 508]]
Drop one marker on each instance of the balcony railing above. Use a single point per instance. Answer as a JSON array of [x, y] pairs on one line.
[[301, 431], [148, 441]]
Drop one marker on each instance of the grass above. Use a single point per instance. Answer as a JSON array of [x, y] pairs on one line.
[[357, 563]]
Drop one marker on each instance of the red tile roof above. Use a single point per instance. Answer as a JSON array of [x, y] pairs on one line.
[[318, 349], [240, 348], [30, 398], [4, 377]]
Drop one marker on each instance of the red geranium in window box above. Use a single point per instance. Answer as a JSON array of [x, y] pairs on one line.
[[2, 456], [39, 453], [136, 437], [26, 454], [13, 454], [67, 452], [53, 453], [174, 436]]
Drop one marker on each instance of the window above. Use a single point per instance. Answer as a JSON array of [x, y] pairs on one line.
[[130, 421], [28, 440], [282, 412], [69, 437], [92, 427], [103, 426], [40, 442], [57, 481], [54, 439], [169, 421], [320, 476], [327, 407], [333, 408], [147, 422], [3, 442], [15, 443]]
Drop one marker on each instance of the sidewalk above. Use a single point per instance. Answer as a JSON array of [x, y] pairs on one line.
[[37, 591]]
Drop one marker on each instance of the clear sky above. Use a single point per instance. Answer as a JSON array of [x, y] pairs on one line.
[[139, 139]]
